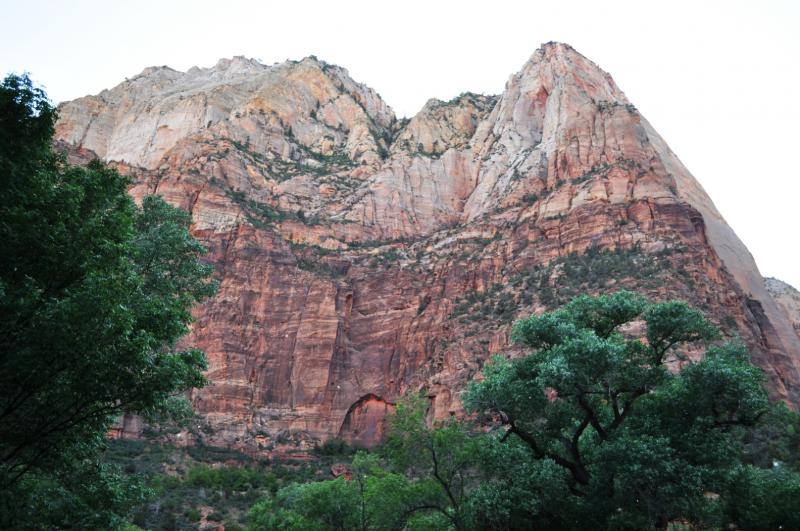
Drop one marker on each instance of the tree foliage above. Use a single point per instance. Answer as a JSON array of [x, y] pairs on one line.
[[420, 481], [95, 291], [638, 445], [441, 458], [373, 499]]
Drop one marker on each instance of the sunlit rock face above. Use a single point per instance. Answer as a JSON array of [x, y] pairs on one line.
[[361, 257]]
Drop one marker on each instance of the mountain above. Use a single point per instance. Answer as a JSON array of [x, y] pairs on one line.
[[361, 256]]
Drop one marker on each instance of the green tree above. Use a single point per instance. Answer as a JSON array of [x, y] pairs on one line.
[[760, 499], [775, 441], [636, 444], [440, 458], [422, 484], [514, 491], [373, 499], [94, 294]]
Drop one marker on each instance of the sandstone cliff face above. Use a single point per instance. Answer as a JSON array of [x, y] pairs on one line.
[[787, 299], [361, 257], [277, 111]]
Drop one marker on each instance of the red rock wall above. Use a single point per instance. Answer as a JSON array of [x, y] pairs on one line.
[[349, 295]]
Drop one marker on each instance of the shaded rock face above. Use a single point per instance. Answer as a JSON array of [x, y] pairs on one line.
[[361, 257], [365, 422]]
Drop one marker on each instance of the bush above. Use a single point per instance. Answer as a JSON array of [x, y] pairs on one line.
[[229, 479], [215, 517], [334, 447], [193, 515]]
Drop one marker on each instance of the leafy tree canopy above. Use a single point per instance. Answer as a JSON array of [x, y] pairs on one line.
[[95, 292], [637, 444], [420, 481]]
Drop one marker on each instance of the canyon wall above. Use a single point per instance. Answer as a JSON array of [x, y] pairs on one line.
[[361, 257]]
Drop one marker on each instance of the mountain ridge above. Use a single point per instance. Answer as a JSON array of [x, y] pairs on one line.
[[354, 249]]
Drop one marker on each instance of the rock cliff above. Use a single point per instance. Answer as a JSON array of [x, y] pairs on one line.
[[787, 299], [361, 256]]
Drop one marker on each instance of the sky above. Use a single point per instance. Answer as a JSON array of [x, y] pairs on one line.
[[717, 79]]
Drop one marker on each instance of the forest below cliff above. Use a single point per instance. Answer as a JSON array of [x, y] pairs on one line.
[[621, 413]]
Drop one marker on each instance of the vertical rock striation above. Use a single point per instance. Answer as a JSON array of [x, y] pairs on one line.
[[361, 257]]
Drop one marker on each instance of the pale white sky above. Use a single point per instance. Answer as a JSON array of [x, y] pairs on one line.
[[719, 80]]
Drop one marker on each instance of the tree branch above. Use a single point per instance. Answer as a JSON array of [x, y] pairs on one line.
[[591, 416], [578, 473], [627, 407]]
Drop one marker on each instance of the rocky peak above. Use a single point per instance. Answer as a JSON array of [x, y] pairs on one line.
[[556, 102], [156, 70], [552, 85], [442, 125], [238, 65], [280, 110]]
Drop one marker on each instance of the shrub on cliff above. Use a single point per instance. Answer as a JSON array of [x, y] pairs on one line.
[[95, 291]]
